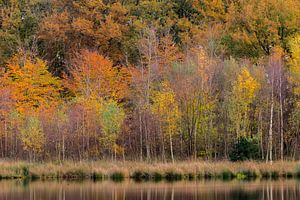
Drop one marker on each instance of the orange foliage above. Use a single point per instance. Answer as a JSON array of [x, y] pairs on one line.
[[93, 76], [32, 86]]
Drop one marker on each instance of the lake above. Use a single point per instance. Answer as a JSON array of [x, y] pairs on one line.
[[130, 190]]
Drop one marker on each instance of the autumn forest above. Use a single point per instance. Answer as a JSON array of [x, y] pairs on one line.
[[150, 80]]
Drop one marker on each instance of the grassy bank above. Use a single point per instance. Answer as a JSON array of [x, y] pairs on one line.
[[139, 171]]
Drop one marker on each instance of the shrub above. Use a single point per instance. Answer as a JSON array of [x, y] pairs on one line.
[[97, 176], [141, 176], [117, 177], [172, 176], [298, 172], [227, 175], [245, 149], [157, 176], [25, 171]]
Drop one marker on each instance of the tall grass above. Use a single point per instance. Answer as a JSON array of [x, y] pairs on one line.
[[139, 171]]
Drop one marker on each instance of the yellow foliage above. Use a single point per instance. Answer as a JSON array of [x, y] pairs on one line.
[[118, 149], [211, 9], [166, 108], [32, 135], [245, 87], [242, 96], [294, 64]]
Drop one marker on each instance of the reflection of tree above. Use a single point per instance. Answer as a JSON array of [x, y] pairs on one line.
[[214, 190]]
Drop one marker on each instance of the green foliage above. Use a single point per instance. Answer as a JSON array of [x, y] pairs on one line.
[[241, 176], [111, 119], [245, 149], [19, 25], [298, 172], [254, 27], [227, 175], [25, 171], [117, 176]]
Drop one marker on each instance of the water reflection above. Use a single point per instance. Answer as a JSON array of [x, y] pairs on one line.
[[212, 190]]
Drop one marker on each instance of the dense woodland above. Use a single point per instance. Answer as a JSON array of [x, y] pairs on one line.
[[151, 80]]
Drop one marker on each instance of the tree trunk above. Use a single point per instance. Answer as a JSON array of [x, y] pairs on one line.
[[271, 123], [260, 132], [281, 118], [63, 147], [195, 142], [6, 138], [163, 149], [115, 152], [171, 148], [147, 144], [141, 136]]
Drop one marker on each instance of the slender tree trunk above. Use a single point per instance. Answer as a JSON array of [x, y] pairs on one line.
[[149, 76], [147, 145], [281, 117], [6, 138], [226, 145], [163, 149], [141, 136], [181, 145], [195, 141], [123, 154], [295, 150], [30, 156], [171, 148], [260, 132], [1, 147], [271, 123], [115, 152], [63, 147]]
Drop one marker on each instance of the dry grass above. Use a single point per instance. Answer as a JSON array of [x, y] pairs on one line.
[[148, 171]]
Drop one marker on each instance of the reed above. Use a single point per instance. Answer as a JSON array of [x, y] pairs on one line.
[[140, 171]]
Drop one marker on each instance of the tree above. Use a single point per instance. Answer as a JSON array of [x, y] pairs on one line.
[[225, 83], [83, 24], [294, 79], [94, 76], [243, 93], [33, 87], [166, 109], [6, 106], [294, 68], [189, 78], [32, 136], [19, 25], [275, 78], [92, 81], [211, 10], [255, 27], [61, 121], [111, 119], [144, 77]]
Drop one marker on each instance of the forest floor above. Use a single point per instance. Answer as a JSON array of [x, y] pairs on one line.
[[142, 171]]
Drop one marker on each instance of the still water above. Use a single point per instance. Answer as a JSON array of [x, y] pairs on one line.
[[128, 190]]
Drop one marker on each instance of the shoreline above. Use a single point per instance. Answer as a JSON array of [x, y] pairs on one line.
[[142, 171]]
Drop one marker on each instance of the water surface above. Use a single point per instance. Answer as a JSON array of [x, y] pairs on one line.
[[129, 190]]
